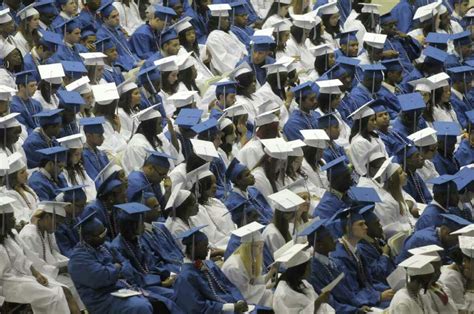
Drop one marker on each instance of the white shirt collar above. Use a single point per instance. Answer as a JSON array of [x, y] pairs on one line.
[[458, 94], [389, 87]]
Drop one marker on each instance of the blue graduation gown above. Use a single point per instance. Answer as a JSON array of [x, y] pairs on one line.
[[26, 109], [413, 75], [126, 56], [95, 277], [427, 236], [463, 212], [234, 243], [137, 179], [408, 49], [327, 207], [391, 102], [342, 298], [201, 297], [464, 155], [417, 188], [46, 189], [94, 161], [67, 237], [199, 23], [404, 12], [403, 130], [255, 200], [69, 129], [113, 74], [34, 142], [260, 73], [298, 121], [357, 276], [360, 95], [431, 216], [445, 165], [334, 151], [58, 20], [224, 186], [144, 41], [160, 241], [66, 53], [29, 64], [109, 220], [89, 20], [379, 265], [346, 107], [392, 141], [243, 34], [461, 107]]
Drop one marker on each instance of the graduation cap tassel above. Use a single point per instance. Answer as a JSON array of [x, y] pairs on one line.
[[3, 223], [73, 204], [278, 80], [219, 23], [192, 248]]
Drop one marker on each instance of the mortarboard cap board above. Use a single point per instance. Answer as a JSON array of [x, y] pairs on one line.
[[411, 102], [242, 68], [294, 256], [104, 94], [329, 86], [388, 168], [378, 105], [163, 12], [167, 35], [147, 114], [348, 64], [282, 26], [466, 244], [443, 183], [9, 121], [392, 64], [424, 137], [303, 21], [327, 121], [298, 186], [464, 178], [74, 141], [148, 74], [315, 138], [262, 43], [421, 85], [321, 50], [235, 110], [462, 38], [375, 40], [303, 90], [225, 87], [177, 197], [461, 73], [93, 125], [454, 222], [50, 39], [431, 250], [106, 8], [336, 166], [52, 73], [239, 7], [127, 85], [167, 64], [81, 86], [46, 7], [219, 10], [104, 44], [188, 117], [404, 151], [250, 232], [276, 148], [93, 58], [53, 207], [53, 153], [362, 112], [364, 195], [25, 77], [370, 8], [131, 211], [352, 214], [347, 36], [313, 227], [287, 2], [193, 235], [5, 16], [418, 265], [183, 98], [71, 194], [210, 126], [446, 129], [275, 67], [296, 146], [439, 80], [27, 11], [49, 117], [329, 8], [70, 99], [438, 40], [426, 12], [434, 55], [185, 61], [6, 92], [204, 149], [286, 200], [183, 24], [74, 69], [372, 71], [6, 205], [15, 162], [465, 231]]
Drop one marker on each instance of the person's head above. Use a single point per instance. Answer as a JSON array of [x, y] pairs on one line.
[[93, 5], [27, 84], [322, 241], [169, 42], [187, 38], [355, 226], [305, 96], [364, 126], [74, 157], [156, 167], [240, 175], [409, 158], [468, 263], [382, 120], [130, 100], [374, 228], [228, 138], [449, 224], [161, 18], [76, 197], [110, 16], [131, 226], [7, 28], [389, 25], [372, 78], [428, 152], [196, 246], [219, 23], [69, 7], [18, 178], [461, 7], [322, 63], [92, 231], [330, 124], [108, 47], [48, 216], [339, 175], [52, 129], [376, 160], [445, 193], [189, 206], [225, 93], [170, 81], [394, 73], [397, 180], [207, 187], [30, 24], [13, 60], [10, 135], [72, 34], [331, 23], [293, 275]]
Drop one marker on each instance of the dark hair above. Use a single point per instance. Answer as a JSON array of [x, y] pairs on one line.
[[31, 35], [268, 164], [9, 232], [186, 76], [297, 33], [332, 30], [294, 276], [273, 10], [203, 185], [244, 81], [228, 130], [166, 86], [194, 162], [309, 153], [46, 90], [73, 169], [361, 127], [272, 79], [324, 102], [321, 64], [108, 111], [316, 39], [149, 129], [282, 224], [366, 20], [125, 101], [194, 47]]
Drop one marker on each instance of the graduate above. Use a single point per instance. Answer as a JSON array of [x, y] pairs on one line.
[[22, 101], [200, 17], [259, 56], [71, 48], [88, 16], [444, 160], [390, 137], [27, 30], [461, 81], [94, 159], [244, 268], [47, 179], [71, 102], [21, 282], [43, 137], [366, 90], [111, 68], [410, 119], [49, 84], [330, 124], [467, 271], [465, 187], [96, 272], [392, 77], [129, 14], [275, 13], [145, 40], [349, 46], [207, 288], [316, 142], [240, 18], [427, 143], [10, 134]]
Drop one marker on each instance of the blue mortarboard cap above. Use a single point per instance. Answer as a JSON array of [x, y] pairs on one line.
[[434, 55], [225, 87], [446, 129], [405, 151], [104, 44], [70, 99], [210, 126], [46, 7], [462, 39], [138, 192], [25, 77], [131, 211], [454, 222], [364, 195], [470, 116], [74, 69], [327, 121], [443, 183], [392, 64], [347, 63], [187, 118], [234, 169], [192, 235], [373, 70], [239, 7], [49, 117], [348, 36], [438, 40], [73, 193], [352, 214], [164, 13], [69, 25], [50, 39], [89, 224], [337, 71], [411, 102], [262, 43], [388, 18], [167, 35], [58, 153], [336, 166], [464, 178], [303, 90], [106, 186], [313, 227], [461, 73], [378, 105], [86, 33], [106, 8], [148, 74], [93, 125], [159, 159]]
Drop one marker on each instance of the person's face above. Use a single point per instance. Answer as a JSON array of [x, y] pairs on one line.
[[296, 163], [135, 97], [4, 107], [157, 174], [22, 176], [201, 248], [359, 229], [334, 19], [258, 57], [13, 134], [225, 23], [429, 152], [97, 237], [231, 137], [446, 94], [172, 47], [31, 88], [55, 129], [229, 100], [33, 23], [89, 40], [47, 18], [193, 206], [112, 54], [14, 58], [416, 160], [462, 8], [213, 186], [75, 155], [241, 20], [309, 103], [75, 36], [156, 24], [468, 267], [284, 36], [49, 223], [396, 76], [217, 140], [190, 36], [382, 120], [172, 77], [331, 59], [113, 19], [327, 241], [334, 132], [95, 139], [179, 9], [372, 124], [93, 4], [119, 194], [77, 208], [70, 7], [305, 206], [88, 99], [374, 229], [351, 48], [155, 210], [283, 10], [8, 28], [390, 28], [247, 178]]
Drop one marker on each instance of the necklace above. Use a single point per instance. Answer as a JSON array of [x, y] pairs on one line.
[[418, 188], [44, 244], [143, 267]]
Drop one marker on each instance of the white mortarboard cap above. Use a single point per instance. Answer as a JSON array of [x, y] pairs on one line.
[[418, 265], [303, 21], [276, 147], [167, 64], [93, 58], [27, 11], [204, 149], [266, 118], [321, 50], [181, 99], [221, 9], [235, 110], [9, 121], [296, 146], [286, 200], [15, 162], [4, 167], [177, 197], [5, 16], [192, 176], [283, 1], [466, 231], [81, 86], [183, 24], [289, 62], [375, 40], [421, 85], [294, 255], [431, 250], [6, 205], [298, 186], [53, 207], [276, 67], [249, 233], [370, 8], [387, 169], [329, 86], [5, 49], [424, 137], [268, 105], [375, 154], [147, 114], [184, 61], [329, 8], [104, 94], [426, 12], [242, 68], [73, 141], [362, 112], [127, 85], [268, 32], [315, 138], [109, 169], [466, 244], [224, 123], [52, 73], [282, 25], [439, 80], [6, 92]]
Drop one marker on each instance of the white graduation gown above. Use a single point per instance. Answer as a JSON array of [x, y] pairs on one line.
[[225, 50], [288, 301], [46, 105], [273, 238], [266, 92], [129, 16], [249, 154], [114, 142], [17, 284], [299, 51], [126, 124], [175, 227], [271, 19], [453, 280], [261, 182], [444, 114], [23, 209], [178, 175], [250, 105], [428, 172], [402, 302], [203, 73], [358, 151], [89, 188], [20, 42], [436, 304], [216, 238], [253, 293], [217, 212]]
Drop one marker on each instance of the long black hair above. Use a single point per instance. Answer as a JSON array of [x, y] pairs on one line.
[[166, 86], [360, 126], [298, 34], [294, 277], [125, 102], [186, 76], [332, 30], [244, 81], [149, 129], [194, 47], [315, 35]]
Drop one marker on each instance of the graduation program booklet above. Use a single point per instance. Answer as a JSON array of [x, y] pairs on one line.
[[125, 293], [333, 283]]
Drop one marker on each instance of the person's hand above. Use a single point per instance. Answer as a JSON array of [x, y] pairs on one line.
[[390, 54], [364, 309], [386, 249], [90, 46], [241, 306], [42, 280], [242, 128], [415, 212], [116, 123], [168, 282], [387, 295], [118, 266], [167, 184], [401, 34], [216, 252]]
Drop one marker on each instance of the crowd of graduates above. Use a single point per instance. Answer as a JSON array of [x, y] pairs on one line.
[[286, 156]]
